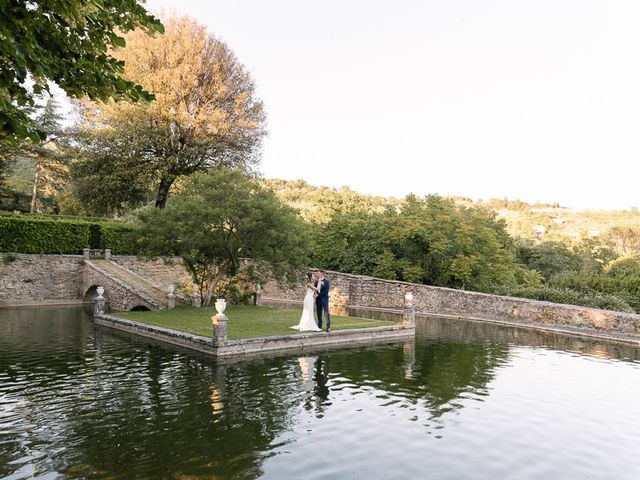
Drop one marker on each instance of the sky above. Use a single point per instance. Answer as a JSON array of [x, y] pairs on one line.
[[532, 100]]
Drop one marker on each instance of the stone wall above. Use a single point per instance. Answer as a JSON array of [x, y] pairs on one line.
[[260, 345], [41, 278], [355, 291], [32, 279]]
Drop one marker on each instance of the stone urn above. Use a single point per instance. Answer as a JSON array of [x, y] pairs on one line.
[[100, 291], [408, 298], [409, 317], [221, 305], [219, 322]]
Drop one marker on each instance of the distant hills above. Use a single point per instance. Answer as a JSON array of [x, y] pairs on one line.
[[548, 221]]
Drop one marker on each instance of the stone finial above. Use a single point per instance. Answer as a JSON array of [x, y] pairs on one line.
[[409, 318], [257, 297], [86, 253], [219, 323], [107, 254], [171, 297]]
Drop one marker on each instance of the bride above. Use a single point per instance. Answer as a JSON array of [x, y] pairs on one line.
[[307, 320]]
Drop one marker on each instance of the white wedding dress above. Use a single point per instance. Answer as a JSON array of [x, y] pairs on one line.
[[307, 320]]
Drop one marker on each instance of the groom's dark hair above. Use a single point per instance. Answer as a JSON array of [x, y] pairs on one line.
[[322, 271]]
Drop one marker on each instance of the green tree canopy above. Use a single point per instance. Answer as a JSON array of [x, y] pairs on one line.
[[67, 42], [430, 240], [549, 258], [218, 220], [625, 268]]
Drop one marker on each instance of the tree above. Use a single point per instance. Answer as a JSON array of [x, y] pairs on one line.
[[440, 243], [67, 42], [218, 220], [39, 169], [6, 161], [351, 242], [549, 258], [50, 164], [205, 114], [430, 240]]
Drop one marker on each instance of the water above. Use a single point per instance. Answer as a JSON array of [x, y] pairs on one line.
[[465, 400]]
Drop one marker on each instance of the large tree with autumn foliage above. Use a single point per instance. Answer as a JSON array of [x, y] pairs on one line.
[[205, 115]]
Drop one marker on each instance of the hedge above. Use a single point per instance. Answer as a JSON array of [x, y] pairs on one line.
[[55, 235], [119, 237]]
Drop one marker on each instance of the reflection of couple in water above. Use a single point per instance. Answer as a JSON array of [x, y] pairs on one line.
[[315, 375]]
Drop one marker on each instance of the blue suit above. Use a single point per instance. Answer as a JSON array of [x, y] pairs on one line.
[[322, 302]]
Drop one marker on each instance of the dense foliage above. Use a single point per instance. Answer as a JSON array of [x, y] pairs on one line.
[[64, 235], [205, 115], [430, 240], [219, 219], [67, 42]]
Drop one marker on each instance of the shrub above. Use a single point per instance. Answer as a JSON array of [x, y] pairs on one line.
[[626, 288], [625, 267], [9, 258], [570, 297]]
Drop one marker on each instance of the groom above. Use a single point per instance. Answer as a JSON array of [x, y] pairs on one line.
[[322, 300]]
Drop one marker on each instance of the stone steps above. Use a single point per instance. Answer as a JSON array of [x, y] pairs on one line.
[[156, 272], [134, 280]]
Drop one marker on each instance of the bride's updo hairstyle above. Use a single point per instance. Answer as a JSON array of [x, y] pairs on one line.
[[310, 277]]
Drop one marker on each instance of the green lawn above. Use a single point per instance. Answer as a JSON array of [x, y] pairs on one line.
[[245, 321]]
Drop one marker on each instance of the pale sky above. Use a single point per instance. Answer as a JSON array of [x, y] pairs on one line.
[[537, 100]]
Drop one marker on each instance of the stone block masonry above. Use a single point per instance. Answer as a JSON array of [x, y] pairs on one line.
[[362, 292], [32, 279]]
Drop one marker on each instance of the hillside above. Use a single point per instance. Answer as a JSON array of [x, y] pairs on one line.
[[549, 221]]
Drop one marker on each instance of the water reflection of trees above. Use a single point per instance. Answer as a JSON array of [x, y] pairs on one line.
[[35, 335], [182, 416], [433, 373], [110, 407]]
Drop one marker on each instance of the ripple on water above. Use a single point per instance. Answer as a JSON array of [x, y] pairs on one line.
[[82, 404]]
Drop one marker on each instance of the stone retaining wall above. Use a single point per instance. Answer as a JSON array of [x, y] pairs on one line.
[[32, 279], [356, 291], [258, 345], [41, 278]]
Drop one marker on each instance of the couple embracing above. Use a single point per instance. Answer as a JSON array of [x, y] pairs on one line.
[[317, 294]]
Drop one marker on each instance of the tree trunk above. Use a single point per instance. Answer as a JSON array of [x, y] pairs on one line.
[[206, 295], [34, 192], [163, 191]]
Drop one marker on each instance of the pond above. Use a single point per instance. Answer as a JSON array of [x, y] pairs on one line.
[[465, 400]]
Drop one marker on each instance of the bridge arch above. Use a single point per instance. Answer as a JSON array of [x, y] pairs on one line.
[[121, 296], [140, 308]]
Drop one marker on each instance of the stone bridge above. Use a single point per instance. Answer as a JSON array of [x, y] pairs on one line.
[[124, 290]]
